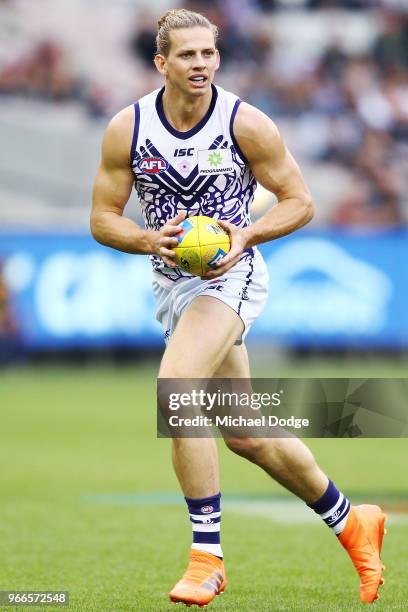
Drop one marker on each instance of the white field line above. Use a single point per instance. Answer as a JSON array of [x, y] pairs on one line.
[[290, 511]]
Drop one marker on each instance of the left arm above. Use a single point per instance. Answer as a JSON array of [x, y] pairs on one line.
[[276, 170]]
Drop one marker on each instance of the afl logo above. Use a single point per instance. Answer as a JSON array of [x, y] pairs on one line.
[[207, 509], [153, 165]]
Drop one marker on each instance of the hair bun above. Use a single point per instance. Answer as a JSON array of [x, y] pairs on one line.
[[162, 20]]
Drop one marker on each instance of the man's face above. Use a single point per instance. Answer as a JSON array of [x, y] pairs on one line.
[[192, 60]]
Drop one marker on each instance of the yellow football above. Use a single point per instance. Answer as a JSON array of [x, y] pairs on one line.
[[202, 242]]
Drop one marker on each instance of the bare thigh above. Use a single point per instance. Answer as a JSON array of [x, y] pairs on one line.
[[202, 340]]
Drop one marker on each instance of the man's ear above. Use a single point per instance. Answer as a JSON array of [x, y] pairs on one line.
[[161, 64]]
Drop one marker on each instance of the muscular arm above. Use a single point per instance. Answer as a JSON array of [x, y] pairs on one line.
[[277, 171], [112, 189]]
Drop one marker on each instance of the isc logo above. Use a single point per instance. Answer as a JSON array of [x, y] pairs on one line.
[[153, 165], [184, 152]]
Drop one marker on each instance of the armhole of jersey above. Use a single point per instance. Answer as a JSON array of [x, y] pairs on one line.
[[234, 140], [135, 133]]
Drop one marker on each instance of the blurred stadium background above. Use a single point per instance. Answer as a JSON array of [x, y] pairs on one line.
[[79, 346]]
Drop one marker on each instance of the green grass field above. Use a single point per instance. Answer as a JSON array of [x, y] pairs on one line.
[[89, 503]]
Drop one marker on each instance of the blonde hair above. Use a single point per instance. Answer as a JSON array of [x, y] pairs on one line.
[[176, 19]]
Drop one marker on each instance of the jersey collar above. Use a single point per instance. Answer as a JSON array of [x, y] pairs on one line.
[[196, 128]]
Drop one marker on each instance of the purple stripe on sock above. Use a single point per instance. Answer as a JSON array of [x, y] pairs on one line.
[[205, 505], [206, 537], [327, 500]]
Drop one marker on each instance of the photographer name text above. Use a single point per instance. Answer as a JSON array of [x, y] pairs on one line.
[[238, 421]]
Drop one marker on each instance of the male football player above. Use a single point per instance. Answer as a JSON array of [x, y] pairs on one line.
[[163, 145]]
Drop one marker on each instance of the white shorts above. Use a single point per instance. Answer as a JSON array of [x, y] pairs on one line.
[[244, 288]]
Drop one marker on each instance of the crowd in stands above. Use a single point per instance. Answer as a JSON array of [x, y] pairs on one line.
[[41, 72], [350, 107]]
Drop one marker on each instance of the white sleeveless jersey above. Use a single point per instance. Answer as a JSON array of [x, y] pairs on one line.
[[202, 171]]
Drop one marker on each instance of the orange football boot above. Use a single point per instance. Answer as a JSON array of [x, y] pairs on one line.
[[362, 538], [203, 579]]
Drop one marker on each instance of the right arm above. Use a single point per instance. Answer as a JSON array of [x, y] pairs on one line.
[[111, 192]]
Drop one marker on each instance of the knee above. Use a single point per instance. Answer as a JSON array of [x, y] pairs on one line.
[[246, 447]]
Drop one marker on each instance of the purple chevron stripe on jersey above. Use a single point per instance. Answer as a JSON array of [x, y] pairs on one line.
[[197, 189], [145, 153], [184, 181]]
